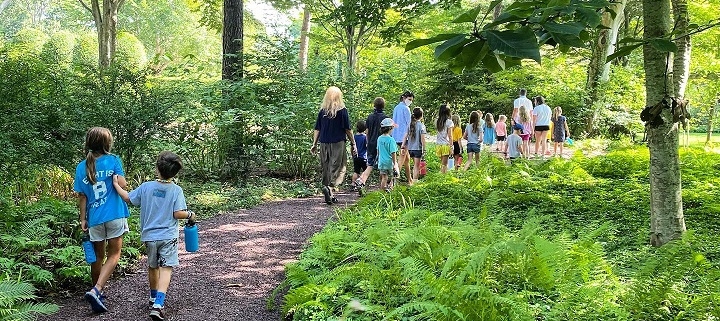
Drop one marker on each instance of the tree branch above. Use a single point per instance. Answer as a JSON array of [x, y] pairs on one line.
[[85, 6]]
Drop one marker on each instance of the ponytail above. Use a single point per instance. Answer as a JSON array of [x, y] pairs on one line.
[[412, 131], [90, 167]]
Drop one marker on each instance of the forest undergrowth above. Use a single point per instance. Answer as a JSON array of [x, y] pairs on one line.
[[557, 240]]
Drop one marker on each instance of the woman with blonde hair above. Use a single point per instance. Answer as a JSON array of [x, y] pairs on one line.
[[332, 131]]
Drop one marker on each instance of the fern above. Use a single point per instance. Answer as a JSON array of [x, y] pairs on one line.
[[13, 306]]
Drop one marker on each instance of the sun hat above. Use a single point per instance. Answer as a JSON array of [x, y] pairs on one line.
[[387, 122]]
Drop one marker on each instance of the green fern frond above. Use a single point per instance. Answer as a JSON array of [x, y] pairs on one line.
[[27, 311], [426, 310], [12, 292]]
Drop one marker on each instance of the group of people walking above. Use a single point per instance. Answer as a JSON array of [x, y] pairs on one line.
[[388, 143]]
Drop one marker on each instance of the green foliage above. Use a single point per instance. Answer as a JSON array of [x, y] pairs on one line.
[[15, 302], [563, 239], [130, 52]]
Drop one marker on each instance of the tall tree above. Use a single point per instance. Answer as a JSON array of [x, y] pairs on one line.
[[565, 23], [232, 36], [106, 19], [305, 38], [664, 106], [604, 44], [354, 22]]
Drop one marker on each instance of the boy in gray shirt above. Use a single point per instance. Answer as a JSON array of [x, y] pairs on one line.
[[162, 203]]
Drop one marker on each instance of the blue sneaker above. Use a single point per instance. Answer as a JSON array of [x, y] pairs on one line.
[[96, 301]]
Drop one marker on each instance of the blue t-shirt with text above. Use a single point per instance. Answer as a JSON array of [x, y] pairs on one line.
[[158, 201], [386, 146], [103, 204]]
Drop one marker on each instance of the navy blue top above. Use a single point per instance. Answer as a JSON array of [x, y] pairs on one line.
[[373, 128], [361, 141], [332, 130]]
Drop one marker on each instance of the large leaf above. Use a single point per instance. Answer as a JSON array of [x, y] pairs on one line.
[[473, 52], [520, 43], [564, 28], [664, 45], [424, 42], [451, 48], [470, 15], [589, 16], [493, 63], [622, 52], [568, 40]]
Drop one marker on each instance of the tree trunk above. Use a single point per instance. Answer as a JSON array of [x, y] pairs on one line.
[[232, 68], [666, 214], [598, 69], [106, 18], [305, 38], [681, 63], [710, 123], [498, 10], [4, 4], [351, 49]]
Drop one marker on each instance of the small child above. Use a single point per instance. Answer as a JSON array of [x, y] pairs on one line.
[[443, 142], [560, 128], [360, 163], [457, 141], [489, 130], [500, 133], [387, 154], [414, 142], [162, 203], [526, 122], [513, 148], [473, 135]]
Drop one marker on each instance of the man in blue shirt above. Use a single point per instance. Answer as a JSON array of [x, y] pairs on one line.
[[401, 117]]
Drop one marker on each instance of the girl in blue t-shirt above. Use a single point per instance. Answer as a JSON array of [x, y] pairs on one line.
[[103, 214]]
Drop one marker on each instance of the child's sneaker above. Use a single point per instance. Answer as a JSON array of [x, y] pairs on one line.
[[96, 302], [157, 314], [152, 301], [326, 194]]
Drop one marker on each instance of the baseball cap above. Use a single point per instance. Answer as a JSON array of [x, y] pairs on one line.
[[518, 127], [387, 122]]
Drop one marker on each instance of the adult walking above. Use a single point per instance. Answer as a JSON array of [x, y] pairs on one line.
[[541, 118], [521, 102], [401, 117], [332, 131]]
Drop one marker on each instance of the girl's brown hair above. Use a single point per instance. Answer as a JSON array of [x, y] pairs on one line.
[[98, 142], [490, 120], [443, 116], [524, 117], [475, 121], [417, 115], [556, 113]]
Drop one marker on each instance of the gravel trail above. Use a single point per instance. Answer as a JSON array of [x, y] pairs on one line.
[[241, 260]]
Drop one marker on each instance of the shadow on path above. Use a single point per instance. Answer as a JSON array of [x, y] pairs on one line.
[[241, 260]]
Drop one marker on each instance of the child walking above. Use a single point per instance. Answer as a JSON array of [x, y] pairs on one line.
[[513, 148], [560, 128], [444, 136], [103, 214], [489, 130], [500, 133], [414, 142], [387, 154], [162, 204], [473, 135], [526, 122], [360, 163], [373, 133], [457, 141]]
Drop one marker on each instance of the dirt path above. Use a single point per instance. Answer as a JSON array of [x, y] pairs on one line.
[[241, 260]]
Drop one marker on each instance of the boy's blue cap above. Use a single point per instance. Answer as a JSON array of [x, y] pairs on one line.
[[518, 127]]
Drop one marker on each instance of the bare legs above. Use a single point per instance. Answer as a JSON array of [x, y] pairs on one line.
[[100, 271], [540, 142]]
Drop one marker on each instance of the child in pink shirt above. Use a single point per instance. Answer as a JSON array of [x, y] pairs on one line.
[[500, 133]]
